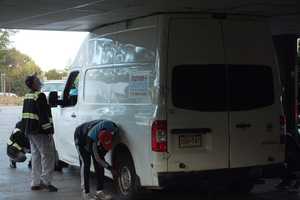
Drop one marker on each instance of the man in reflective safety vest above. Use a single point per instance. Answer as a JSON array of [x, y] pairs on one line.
[[17, 146], [37, 122]]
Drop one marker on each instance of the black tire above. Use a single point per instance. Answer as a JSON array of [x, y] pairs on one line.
[[126, 181], [29, 165], [59, 165], [244, 187]]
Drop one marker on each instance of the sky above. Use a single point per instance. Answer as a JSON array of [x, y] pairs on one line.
[[49, 49]]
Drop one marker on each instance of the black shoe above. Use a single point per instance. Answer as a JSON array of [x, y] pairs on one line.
[[12, 164], [50, 188], [58, 168], [36, 187], [29, 164]]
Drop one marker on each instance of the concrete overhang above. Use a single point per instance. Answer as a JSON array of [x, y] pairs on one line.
[[84, 15]]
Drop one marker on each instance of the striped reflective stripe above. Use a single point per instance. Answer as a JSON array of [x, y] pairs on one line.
[[14, 144], [16, 130], [46, 126], [33, 96], [9, 142], [50, 120], [30, 116], [17, 146]]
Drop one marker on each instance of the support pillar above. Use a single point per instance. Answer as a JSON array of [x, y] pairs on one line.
[[286, 50]]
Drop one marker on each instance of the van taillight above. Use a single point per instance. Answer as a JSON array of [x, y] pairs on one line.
[[159, 136], [282, 129]]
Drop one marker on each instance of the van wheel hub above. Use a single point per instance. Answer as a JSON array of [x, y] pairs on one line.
[[125, 179]]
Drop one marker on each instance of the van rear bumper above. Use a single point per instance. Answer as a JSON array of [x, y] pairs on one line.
[[220, 176]]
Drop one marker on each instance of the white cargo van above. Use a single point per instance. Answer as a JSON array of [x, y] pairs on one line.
[[196, 97]]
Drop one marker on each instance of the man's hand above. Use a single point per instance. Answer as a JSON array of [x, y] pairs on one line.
[[114, 172]]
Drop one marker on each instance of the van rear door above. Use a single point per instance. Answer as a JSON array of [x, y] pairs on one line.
[[197, 118], [253, 94]]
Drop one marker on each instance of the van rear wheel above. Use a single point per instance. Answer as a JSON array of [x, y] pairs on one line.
[[126, 180]]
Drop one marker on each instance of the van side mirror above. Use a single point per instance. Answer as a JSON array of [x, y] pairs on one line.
[[53, 99]]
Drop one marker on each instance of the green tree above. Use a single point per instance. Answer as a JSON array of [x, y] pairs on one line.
[[4, 39], [15, 65], [4, 43], [19, 66], [53, 74]]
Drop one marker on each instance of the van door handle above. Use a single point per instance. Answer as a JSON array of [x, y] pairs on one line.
[[191, 131], [243, 125], [73, 115]]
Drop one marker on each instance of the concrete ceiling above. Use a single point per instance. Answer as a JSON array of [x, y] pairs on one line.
[[84, 15]]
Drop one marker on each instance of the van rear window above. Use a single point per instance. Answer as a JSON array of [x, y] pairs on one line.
[[222, 87], [199, 87], [250, 87]]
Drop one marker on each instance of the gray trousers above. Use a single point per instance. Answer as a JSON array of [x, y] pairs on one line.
[[43, 158]]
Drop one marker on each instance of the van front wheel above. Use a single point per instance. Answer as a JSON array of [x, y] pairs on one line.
[[126, 180]]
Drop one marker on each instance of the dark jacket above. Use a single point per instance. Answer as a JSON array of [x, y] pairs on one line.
[[36, 115], [19, 137], [83, 139], [18, 142], [81, 132]]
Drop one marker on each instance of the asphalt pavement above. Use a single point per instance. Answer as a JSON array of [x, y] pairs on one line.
[[15, 183]]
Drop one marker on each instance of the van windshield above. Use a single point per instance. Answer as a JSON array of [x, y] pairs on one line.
[[222, 87], [48, 87]]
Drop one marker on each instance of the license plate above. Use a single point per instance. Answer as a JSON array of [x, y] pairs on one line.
[[186, 141]]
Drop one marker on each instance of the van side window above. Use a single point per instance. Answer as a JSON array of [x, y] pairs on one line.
[[126, 48], [199, 87], [133, 85], [71, 90]]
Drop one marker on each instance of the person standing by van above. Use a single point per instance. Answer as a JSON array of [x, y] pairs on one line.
[[37, 122], [93, 140], [289, 179]]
